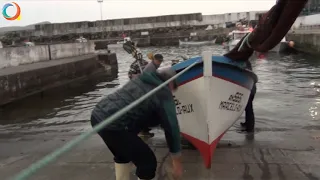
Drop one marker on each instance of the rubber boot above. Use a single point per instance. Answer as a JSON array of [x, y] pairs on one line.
[[146, 132], [123, 171]]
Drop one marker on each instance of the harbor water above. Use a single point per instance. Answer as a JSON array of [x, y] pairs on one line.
[[287, 102], [287, 96]]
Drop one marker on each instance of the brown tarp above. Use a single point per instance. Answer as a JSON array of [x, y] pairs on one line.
[[270, 30]]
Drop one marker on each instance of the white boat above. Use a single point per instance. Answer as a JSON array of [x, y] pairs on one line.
[[281, 46], [236, 35], [81, 40], [211, 97], [119, 44], [29, 44], [196, 43]]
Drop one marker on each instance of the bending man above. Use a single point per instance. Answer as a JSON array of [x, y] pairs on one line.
[[135, 71], [121, 136]]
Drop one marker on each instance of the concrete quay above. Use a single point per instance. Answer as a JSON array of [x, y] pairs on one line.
[[267, 155], [141, 27], [30, 70], [15, 56], [306, 40], [305, 32], [172, 38], [139, 24]]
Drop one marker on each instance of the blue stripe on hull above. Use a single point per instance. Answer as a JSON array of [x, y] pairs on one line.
[[191, 74], [222, 71], [232, 75]]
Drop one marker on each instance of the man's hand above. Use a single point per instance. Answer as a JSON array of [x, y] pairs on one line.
[[177, 167]]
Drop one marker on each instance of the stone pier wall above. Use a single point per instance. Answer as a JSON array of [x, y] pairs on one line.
[[59, 51], [306, 42], [25, 80], [114, 28], [23, 55], [30, 70], [16, 56]]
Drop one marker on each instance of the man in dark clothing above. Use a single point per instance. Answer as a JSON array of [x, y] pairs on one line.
[[137, 64], [135, 70], [248, 125], [121, 136], [135, 67]]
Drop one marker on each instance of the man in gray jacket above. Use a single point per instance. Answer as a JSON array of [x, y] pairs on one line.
[[121, 136], [135, 70]]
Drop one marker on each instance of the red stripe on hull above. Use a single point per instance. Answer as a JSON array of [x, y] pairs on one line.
[[206, 150]]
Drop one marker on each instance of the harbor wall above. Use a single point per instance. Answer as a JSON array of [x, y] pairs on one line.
[[305, 33], [172, 38], [310, 20], [306, 42], [139, 24], [29, 79], [16, 56], [23, 55], [58, 51], [133, 27]]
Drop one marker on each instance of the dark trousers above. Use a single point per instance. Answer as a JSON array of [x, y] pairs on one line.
[[128, 147], [250, 119], [146, 130]]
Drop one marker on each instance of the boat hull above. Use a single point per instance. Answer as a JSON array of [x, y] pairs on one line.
[[120, 45], [193, 43], [210, 100], [232, 44], [277, 49]]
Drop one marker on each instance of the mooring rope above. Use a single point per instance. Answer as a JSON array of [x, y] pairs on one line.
[[245, 41], [67, 147]]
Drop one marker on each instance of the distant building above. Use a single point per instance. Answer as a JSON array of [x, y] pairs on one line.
[[145, 23], [141, 24]]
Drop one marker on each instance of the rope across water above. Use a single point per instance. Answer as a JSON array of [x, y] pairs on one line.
[[67, 147]]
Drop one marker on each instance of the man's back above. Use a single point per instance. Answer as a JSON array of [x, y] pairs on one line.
[[119, 99], [159, 109], [127, 94]]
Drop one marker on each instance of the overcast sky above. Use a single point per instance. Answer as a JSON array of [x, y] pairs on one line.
[[33, 11]]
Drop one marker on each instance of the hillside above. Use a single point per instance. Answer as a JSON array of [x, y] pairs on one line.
[[19, 28]]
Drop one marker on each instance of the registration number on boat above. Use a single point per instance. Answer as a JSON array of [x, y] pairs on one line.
[[233, 103]]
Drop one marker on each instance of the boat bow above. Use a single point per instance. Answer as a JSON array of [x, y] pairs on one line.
[[211, 97]]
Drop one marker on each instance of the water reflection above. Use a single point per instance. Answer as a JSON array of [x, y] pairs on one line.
[[58, 102], [287, 95], [287, 86]]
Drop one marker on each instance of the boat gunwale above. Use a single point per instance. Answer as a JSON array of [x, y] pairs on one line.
[[228, 64]]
